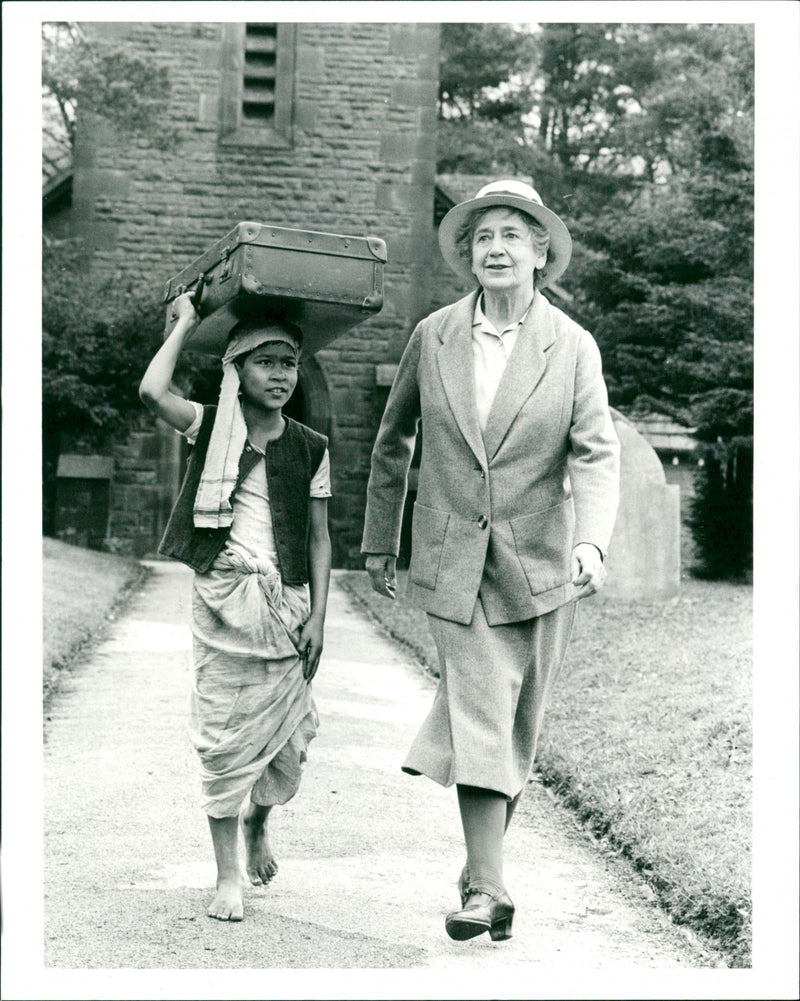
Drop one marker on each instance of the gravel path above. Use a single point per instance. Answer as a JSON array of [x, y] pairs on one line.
[[368, 856]]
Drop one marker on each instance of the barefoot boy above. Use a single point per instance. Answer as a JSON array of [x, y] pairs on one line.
[[251, 520]]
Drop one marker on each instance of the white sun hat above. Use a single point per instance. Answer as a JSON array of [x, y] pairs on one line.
[[515, 195]]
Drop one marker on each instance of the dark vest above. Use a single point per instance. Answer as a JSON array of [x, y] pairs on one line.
[[291, 462]]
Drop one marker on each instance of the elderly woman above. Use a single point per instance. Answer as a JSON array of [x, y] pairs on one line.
[[517, 495]]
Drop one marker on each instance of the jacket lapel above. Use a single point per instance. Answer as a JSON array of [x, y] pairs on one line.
[[457, 372], [525, 368]]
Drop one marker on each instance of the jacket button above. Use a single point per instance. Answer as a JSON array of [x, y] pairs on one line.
[[483, 521]]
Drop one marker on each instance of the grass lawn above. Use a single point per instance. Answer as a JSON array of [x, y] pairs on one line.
[[80, 589], [648, 738]]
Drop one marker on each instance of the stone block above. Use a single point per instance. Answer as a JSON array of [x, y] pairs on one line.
[[418, 42], [311, 63], [398, 146], [399, 197], [208, 110], [400, 248], [404, 40], [134, 499], [424, 174], [306, 117], [428, 39], [413, 93], [644, 555], [384, 374], [427, 123], [100, 234]]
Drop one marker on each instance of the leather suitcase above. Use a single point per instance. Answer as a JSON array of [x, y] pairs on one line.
[[324, 282]]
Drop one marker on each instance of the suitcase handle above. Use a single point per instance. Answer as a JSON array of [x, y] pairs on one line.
[[197, 296]]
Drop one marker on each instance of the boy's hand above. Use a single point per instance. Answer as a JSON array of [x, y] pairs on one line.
[[183, 308], [310, 646]]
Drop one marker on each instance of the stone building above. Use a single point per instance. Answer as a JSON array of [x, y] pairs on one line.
[[318, 126], [329, 127]]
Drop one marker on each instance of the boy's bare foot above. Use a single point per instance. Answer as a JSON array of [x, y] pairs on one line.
[[260, 862], [227, 905]]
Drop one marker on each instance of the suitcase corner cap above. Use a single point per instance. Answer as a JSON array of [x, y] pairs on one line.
[[377, 248], [248, 231], [372, 303]]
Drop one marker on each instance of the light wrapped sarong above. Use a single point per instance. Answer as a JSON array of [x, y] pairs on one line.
[[252, 715]]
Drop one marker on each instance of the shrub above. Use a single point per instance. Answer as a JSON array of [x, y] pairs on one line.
[[96, 343], [721, 516]]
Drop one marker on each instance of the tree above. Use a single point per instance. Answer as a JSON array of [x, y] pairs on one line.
[[721, 512], [641, 136], [650, 130], [485, 91], [592, 77], [483, 70], [667, 277], [130, 93], [96, 343], [625, 102], [96, 340]]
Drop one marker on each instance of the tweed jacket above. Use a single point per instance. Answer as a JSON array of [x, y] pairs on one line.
[[498, 512]]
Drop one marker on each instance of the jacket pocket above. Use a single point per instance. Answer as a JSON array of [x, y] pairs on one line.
[[428, 530], [543, 541]]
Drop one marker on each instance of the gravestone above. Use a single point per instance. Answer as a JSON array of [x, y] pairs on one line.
[[644, 561]]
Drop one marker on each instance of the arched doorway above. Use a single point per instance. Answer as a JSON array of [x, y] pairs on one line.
[[311, 403]]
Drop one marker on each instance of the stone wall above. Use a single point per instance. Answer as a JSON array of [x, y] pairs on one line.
[[148, 466], [361, 161]]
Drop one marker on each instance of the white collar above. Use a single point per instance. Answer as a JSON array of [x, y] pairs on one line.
[[479, 319]]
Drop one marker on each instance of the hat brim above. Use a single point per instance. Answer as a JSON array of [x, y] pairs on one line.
[[558, 253]]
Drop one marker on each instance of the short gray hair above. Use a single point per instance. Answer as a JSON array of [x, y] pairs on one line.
[[540, 235]]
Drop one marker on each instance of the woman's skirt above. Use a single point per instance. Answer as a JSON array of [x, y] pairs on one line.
[[251, 711], [494, 685]]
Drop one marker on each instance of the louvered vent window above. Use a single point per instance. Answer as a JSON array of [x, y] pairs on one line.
[[258, 91], [256, 96]]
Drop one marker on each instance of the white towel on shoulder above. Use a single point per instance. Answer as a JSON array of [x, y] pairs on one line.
[[212, 504]]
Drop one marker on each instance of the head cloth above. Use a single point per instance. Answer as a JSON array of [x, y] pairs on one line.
[[212, 506]]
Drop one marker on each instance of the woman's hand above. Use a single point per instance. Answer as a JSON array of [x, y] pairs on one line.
[[309, 645], [381, 570], [588, 572]]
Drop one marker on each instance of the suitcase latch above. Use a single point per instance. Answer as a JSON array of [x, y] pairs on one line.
[[225, 254]]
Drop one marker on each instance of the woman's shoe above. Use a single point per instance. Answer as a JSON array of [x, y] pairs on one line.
[[495, 916]]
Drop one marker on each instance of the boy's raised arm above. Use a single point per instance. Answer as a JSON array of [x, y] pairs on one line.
[[154, 389]]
